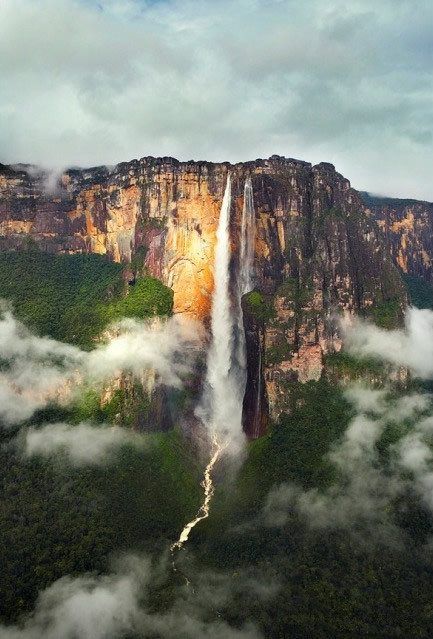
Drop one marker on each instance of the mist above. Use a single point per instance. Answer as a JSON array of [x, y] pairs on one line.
[[411, 347], [82, 443], [110, 606], [38, 371], [367, 484]]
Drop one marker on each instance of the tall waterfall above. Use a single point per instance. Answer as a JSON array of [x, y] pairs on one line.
[[221, 408], [248, 232], [224, 392], [245, 282]]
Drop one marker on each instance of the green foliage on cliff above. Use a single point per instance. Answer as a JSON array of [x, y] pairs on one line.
[[294, 449], [259, 306], [125, 406], [73, 297], [59, 295], [387, 314], [420, 291], [298, 292], [147, 297], [344, 364], [278, 352]]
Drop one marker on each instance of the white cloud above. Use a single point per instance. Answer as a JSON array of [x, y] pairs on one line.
[[38, 370], [346, 82], [111, 606], [412, 347], [361, 497], [82, 443]]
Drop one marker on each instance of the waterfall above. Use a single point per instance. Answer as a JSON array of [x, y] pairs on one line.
[[248, 232], [256, 430], [221, 406], [245, 284], [223, 386]]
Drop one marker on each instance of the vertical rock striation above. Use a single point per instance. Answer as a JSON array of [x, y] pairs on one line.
[[407, 226], [318, 250]]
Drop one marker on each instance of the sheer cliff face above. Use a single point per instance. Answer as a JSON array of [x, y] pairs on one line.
[[407, 226], [317, 251]]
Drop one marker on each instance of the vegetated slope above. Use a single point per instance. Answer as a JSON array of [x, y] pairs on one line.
[[56, 518], [73, 297]]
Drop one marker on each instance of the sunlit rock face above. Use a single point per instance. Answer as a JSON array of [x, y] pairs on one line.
[[318, 250]]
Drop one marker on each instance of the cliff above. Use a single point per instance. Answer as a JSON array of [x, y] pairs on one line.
[[318, 249], [407, 226]]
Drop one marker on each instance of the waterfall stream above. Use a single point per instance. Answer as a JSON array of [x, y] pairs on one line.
[[221, 406]]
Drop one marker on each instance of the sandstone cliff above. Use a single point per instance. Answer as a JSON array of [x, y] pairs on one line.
[[407, 226], [318, 250]]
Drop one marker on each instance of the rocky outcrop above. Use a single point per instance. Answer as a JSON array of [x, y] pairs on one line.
[[318, 251]]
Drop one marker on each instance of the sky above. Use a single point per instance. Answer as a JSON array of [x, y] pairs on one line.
[[88, 82]]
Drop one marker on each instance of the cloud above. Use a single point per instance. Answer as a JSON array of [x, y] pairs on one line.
[[346, 82], [87, 607], [166, 346], [82, 443], [38, 370], [366, 487], [111, 606], [412, 347]]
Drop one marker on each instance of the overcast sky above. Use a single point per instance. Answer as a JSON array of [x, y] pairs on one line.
[[87, 82]]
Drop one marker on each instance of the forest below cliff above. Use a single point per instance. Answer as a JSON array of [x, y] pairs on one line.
[[277, 530]]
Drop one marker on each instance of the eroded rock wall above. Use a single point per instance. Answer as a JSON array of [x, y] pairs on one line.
[[407, 226], [318, 251]]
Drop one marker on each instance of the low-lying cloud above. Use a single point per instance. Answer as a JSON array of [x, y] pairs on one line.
[[82, 443], [116, 605], [366, 486], [411, 347], [37, 370]]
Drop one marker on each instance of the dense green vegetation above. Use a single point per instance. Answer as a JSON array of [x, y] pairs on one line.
[[295, 448], [337, 582], [360, 580], [73, 297], [300, 292], [57, 519], [420, 291], [343, 364], [125, 406], [387, 314], [259, 306], [147, 297]]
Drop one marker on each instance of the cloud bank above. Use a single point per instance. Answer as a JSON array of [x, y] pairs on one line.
[[412, 347], [36, 370], [115, 605], [346, 82], [82, 443], [366, 485]]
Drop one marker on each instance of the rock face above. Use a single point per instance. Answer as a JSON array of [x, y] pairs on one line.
[[407, 226], [318, 249]]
